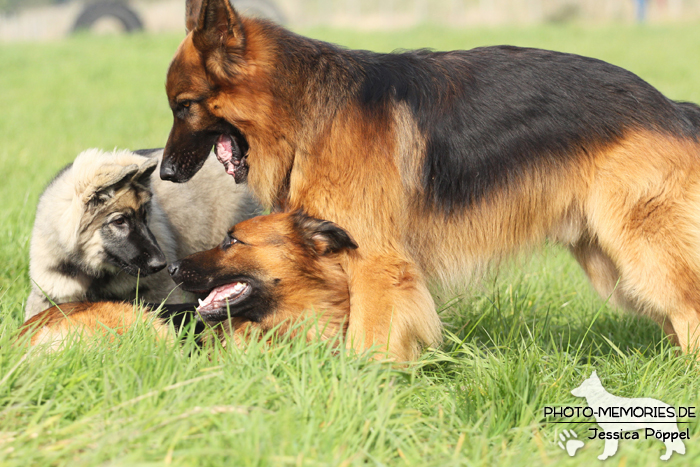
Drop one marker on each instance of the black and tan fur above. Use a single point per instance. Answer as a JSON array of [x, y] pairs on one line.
[[291, 262], [292, 266], [440, 163]]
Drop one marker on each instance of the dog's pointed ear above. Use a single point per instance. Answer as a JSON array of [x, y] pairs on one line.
[[324, 237], [217, 26], [594, 375], [192, 9], [109, 181], [143, 175]]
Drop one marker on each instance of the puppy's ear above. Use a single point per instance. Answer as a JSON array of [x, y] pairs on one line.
[[143, 175], [324, 237], [218, 32], [109, 182]]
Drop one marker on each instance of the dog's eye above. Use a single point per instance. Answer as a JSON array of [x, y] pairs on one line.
[[119, 221], [183, 109], [229, 241]]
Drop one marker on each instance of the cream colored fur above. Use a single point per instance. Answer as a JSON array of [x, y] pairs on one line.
[[184, 218]]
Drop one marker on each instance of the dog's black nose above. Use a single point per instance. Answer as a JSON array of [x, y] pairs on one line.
[[167, 170], [156, 263], [174, 268]]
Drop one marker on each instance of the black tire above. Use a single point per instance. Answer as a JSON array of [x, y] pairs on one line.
[[116, 9], [259, 8]]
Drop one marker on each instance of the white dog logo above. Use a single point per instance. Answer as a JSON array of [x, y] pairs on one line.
[[617, 415]]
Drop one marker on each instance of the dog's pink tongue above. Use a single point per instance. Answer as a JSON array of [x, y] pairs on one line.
[[220, 294], [224, 149], [224, 152]]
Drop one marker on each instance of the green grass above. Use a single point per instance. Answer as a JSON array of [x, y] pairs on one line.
[[519, 341]]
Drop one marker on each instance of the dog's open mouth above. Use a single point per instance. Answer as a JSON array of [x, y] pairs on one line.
[[233, 157], [223, 297]]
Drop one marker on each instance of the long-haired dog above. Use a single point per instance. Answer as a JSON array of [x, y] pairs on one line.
[[439, 163], [107, 225], [270, 273]]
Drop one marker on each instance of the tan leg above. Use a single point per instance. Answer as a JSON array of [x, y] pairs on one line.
[[680, 321], [601, 271], [645, 211], [690, 332], [652, 280], [390, 307], [686, 331], [659, 277], [670, 332]]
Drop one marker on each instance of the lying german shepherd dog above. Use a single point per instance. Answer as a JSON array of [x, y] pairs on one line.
[[440, 163], [267, 275]]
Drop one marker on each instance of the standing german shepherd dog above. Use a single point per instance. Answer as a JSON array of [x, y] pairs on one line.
[[439, 163]]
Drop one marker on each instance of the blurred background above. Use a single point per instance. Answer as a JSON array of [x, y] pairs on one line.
[[49, 19]]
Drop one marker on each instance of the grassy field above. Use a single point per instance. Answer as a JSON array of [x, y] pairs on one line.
[[518, 342]]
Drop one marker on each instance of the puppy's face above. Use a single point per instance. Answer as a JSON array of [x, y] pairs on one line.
[[129, 244], [261, 264], [115, 228]]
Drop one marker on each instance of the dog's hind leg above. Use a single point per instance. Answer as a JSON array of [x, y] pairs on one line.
[[644, 211], [601, 270], [605, 278], [390, 307]]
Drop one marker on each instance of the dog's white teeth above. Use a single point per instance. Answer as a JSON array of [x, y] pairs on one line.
[[201, 303]]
